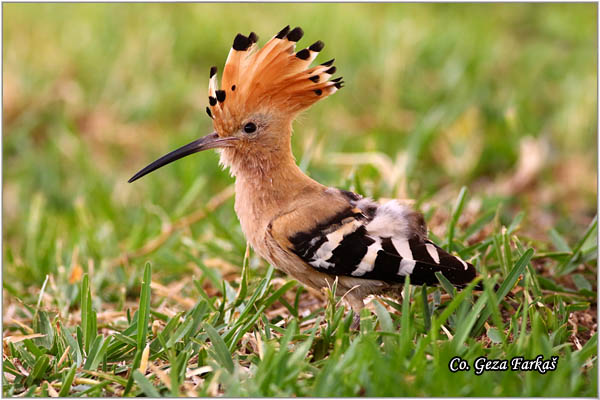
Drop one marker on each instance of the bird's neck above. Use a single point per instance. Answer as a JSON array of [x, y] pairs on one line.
[[264, 187]]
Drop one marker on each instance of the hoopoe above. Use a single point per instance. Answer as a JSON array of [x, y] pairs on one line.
[[314, 233]]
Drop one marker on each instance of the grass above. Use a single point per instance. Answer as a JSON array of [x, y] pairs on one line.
[[484, 114]]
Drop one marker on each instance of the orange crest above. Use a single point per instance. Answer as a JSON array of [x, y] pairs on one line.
[[273, 78]]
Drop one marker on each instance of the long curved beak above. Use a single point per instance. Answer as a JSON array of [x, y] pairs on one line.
[[210, 141]]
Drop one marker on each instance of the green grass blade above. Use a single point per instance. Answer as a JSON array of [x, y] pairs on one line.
[[41, 296], [448, 287], [71, 341], [92, 323], [479, 224], [143, 316], [66, 384], [508, 284], [559, 242], [514, 274], [406, 334], [83, 304], [568, 265], [384, 317], [94, 349], [144, 308], [39, 369], [181, 331], [506, 246], [222, 354], [499, 252], [99, 354], [456, 213], [464, 328], [589, 349], [241, 295], [452, 306], [516, 222], [144, 384], [426, 312], [279, 292], [42, 324]]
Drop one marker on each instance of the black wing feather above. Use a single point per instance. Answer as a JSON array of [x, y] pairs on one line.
[[345, 255]]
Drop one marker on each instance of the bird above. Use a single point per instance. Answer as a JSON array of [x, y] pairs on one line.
[[316, 234]]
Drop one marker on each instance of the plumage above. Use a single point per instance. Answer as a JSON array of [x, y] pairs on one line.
[[314, 233], [274, 74], [377, 245]]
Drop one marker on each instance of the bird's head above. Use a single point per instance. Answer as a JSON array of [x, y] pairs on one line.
[[262, 90]]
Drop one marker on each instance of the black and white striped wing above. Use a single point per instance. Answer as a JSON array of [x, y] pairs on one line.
[[382, 246]]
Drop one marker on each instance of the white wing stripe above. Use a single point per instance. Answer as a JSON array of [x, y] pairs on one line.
[[403, 248], [325, 251], [368, 261], [433, 252], [463, 263], [406, 267]]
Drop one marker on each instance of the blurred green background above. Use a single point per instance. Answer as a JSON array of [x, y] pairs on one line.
[[498, 97]]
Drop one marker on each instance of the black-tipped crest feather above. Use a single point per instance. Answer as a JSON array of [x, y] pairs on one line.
[[241, 42], [295, 35]]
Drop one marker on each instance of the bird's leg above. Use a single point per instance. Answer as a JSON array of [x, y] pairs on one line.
[[356, 304]]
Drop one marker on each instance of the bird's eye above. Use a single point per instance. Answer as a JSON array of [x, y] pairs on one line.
[[250, 127]]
